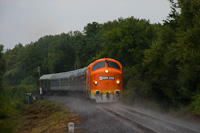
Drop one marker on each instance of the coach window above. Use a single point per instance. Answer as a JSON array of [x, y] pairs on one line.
[[113, 65], [98, 65]]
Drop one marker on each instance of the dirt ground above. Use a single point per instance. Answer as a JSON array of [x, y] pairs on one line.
[[45, 116]]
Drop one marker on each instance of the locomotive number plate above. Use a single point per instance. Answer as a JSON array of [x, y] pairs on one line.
[[106, 78]]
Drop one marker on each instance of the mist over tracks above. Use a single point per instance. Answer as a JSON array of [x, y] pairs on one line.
[[95, 120], [118, 118]]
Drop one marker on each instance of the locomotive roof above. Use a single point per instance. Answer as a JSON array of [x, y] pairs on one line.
[[103, 59], [64, 75]]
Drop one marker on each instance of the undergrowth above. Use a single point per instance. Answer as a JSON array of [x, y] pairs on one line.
[[12, 101]]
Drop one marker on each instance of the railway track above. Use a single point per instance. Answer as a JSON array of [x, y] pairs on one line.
[[109, 118], [141, 122], [175, 127], [136, 127]]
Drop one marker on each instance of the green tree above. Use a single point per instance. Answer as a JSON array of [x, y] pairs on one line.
[[173, 60], [15, 67], [188, 49], [127, 41], [61, 55], [2, 66], [160, 66], [91, 45]]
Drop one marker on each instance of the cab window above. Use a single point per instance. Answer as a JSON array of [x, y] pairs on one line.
[[113, 65], [98, 65]]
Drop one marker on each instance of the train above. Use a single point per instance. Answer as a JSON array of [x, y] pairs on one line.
[[101, 81]]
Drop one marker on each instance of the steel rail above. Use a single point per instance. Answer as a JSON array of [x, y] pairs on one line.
[[185, 129], [131, 121]]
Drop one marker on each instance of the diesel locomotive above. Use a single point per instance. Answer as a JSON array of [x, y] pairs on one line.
[[101, 81]]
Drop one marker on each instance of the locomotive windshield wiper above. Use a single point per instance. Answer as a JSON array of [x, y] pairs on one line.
[[106, 61]]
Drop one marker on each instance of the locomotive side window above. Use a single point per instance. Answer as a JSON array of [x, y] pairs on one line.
[[113, 65], [98, 65]]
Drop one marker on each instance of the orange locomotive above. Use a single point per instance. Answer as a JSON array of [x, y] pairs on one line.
[[104, 80], [101, 81]]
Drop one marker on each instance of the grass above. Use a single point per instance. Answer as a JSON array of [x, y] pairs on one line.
[[41, 116], [46, 116], [8, 126]]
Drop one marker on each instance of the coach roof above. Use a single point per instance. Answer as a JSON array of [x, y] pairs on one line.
[[64, 75]]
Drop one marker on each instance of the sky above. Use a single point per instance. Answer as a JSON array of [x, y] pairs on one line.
[[25, 21]]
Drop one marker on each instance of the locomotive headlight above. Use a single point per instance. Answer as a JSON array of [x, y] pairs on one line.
[[118, 81], [97, 92], [106, 71], [117, 92], [95, 82]]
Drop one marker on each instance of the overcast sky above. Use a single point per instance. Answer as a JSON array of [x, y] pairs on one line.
[[26, 21]]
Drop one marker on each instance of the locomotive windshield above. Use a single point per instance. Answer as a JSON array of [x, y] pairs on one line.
[[98, 65], [113, 65]]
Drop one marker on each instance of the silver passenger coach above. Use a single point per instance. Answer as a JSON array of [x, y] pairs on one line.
[[67, 81]]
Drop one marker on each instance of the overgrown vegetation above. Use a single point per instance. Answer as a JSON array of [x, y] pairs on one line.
[[13, 100], [161, 61], [46, 116]]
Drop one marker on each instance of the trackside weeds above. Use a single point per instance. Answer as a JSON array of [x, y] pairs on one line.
[[45, 116]]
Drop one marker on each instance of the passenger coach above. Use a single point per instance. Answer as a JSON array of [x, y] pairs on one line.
[[101, 81]]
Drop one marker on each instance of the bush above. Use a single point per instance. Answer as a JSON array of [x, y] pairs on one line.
[[8, 126], [28, 81], [195, 105], [128, 96], [12, 99]]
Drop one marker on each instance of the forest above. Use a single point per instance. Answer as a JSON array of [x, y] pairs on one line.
[[161, 61]]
